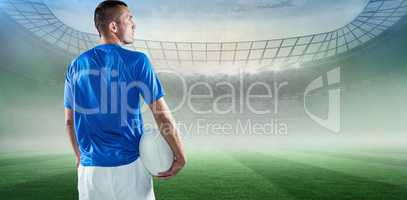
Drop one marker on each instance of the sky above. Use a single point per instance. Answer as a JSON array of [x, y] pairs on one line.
[[219, 20]]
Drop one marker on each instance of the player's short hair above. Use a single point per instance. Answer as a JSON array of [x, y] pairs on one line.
[[106, 12]]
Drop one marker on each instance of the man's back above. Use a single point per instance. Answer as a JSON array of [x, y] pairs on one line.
[[103, 87]]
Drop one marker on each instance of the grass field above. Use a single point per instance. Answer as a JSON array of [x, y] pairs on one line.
[[230, 175]]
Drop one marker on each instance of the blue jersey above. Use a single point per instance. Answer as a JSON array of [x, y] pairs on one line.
[[103, 87]]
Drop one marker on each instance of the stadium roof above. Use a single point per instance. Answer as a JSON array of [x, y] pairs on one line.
[[376, 17]]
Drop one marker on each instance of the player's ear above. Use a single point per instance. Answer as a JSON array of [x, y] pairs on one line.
[[113, 26]]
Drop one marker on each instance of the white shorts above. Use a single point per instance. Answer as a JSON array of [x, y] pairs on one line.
[[126, 182]]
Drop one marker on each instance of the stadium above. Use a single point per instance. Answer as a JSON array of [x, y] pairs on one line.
[[327, 120]]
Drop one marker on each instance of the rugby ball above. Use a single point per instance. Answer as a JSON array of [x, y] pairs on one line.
[[155, 153]]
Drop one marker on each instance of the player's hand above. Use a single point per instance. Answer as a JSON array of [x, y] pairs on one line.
[[176, 166]]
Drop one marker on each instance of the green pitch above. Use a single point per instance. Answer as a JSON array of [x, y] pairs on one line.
[[230, 175]]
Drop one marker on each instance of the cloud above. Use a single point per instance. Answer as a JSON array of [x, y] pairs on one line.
[[278, 4], [220, 20], [258, 5]]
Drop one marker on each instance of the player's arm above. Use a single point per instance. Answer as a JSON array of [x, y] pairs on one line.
[[166, 124], [69, 126]]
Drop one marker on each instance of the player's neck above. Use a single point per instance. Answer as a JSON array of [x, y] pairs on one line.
[[110, 40]]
